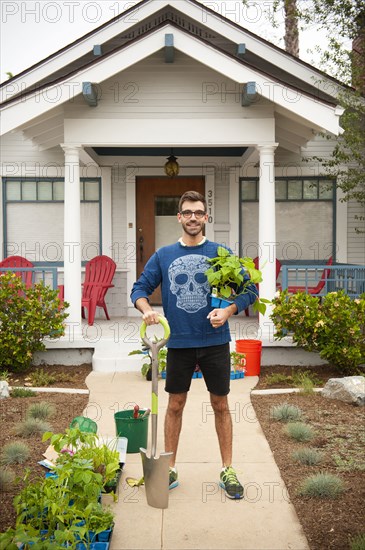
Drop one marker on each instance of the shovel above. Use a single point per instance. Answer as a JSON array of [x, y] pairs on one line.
[[155, 469]]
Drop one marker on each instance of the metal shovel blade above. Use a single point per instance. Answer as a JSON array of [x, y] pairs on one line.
[[156, 478]]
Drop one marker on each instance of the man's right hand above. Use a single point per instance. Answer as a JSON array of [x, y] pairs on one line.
[[151, 317]]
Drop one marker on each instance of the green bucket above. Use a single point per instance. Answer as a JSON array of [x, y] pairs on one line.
[[134, 429]]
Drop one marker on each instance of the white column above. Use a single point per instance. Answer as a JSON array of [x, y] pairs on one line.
[[72, 238], [267, 234]]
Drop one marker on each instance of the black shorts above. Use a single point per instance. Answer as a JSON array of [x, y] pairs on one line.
[[214, 362]]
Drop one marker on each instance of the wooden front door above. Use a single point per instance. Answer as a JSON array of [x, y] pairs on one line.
[[157, 201]]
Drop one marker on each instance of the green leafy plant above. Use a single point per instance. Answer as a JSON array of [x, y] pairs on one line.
[[22, 392], [5, 375], [15, 452], [147, 357], [41, 378], [300, 431], [31, 426], [305, 380], [27, 316], [308, 457], [238, 361], [226, 277], [286, 413], [7, 478], [334, 327], [41, 410], [358, 542], [321, 486]]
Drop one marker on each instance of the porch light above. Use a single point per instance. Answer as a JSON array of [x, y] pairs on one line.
[[172, 167]]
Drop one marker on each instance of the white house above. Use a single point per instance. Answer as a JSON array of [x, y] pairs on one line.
[[86, 132]]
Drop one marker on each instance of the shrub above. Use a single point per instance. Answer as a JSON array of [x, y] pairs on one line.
[[305, 380], [358, 542], [300, 431], [41, 411], [285, 413], [15, 453], [31, 426], [277, 378], [7, 478], [5, 375], [308, 457], [27, 315], [334, 327], [42, 378], [22, 392], [321, 486]]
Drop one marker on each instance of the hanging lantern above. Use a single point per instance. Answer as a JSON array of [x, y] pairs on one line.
[[172, 167]]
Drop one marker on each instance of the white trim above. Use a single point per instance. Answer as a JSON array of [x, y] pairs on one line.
[[341, 227], [319, 115], [106, 211], [234, 209]]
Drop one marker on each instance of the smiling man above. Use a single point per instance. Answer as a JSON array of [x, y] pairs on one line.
[[199, 334]]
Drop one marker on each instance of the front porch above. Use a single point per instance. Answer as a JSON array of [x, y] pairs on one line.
[[107, 344]]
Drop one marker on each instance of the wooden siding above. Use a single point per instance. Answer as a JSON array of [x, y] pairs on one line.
[[356, 240]]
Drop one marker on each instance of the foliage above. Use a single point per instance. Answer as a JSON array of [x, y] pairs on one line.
[[22, 392], [5, 375], [14, 452], [7, 478], [335, 327], [147, 357], [41, 378], [41, 411], [238, 361], [31, 426], [308, 457], [299, 431], [321, 486], [358, 542], [286, 413], [230, 276], [305, 380], [27, 316]]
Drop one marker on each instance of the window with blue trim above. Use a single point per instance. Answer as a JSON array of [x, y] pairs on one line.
[[33, 218], [305, 218]]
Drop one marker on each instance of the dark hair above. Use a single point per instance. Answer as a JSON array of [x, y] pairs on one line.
[[192, 196]]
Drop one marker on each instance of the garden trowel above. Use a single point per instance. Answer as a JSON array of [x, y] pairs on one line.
[[156, 468]]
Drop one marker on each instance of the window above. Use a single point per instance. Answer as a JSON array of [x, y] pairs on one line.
[[304, 217], [34, 218]]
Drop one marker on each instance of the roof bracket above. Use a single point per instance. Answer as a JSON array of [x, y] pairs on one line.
[[97, 50], [249, 94], [169, 48], [90, 94], [241, 50]]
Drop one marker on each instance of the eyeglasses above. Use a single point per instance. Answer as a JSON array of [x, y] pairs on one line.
[[199, 214]]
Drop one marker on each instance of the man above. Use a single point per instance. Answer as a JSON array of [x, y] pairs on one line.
[[199, 335]]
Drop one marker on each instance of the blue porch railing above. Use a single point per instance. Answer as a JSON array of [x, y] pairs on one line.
[[49, 275], [350, 278]]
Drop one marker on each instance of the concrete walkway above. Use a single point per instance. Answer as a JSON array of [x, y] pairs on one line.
[[199, 516]]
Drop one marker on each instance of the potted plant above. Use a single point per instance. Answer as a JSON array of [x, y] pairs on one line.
[[227, 280], [238, 362], [146, 368]]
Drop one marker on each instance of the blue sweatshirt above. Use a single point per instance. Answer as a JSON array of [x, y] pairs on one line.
[[186, 293]]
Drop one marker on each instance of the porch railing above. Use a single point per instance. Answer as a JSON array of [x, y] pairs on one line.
[[350, 278], [49, 275]]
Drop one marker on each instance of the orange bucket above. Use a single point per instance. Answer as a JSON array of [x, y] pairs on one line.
[[252, 349]]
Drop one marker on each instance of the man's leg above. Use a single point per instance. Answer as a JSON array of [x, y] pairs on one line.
[[173, 422], [223, 426]]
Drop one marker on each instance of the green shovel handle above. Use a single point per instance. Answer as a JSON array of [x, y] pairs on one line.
[[165, 325]]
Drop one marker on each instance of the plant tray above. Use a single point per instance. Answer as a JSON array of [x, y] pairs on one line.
[[219, 302]]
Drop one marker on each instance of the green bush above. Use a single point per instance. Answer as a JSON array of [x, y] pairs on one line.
[[22, 392], [41, 378], [300, 431], [7, 478], [14, 453], [334, 327], [358, 542], [308, 457], [285, 413], [27, 316], [41, 411], [31, 426], [321, 486]]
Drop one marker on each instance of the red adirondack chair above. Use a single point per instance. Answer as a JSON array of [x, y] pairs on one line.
[[99, 273], [256, 262], [18, 262], [313, 289]]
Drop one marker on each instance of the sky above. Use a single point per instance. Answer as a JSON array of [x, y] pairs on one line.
[[30, 30]]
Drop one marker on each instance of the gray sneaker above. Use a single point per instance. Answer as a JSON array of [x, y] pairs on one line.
[[230, 484]]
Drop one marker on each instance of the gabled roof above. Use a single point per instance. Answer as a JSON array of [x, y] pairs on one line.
[[201, 34]]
